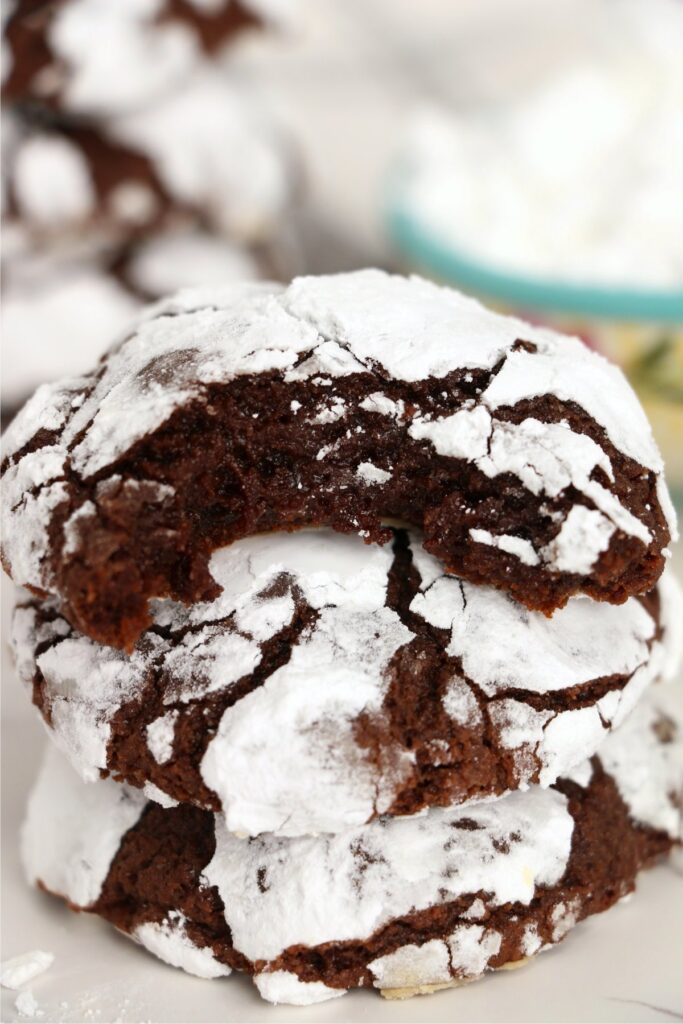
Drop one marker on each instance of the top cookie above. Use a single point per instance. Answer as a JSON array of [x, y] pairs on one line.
[[97, 58], [344, 400]]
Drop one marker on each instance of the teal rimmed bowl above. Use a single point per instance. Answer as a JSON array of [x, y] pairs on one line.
[[422, 248]]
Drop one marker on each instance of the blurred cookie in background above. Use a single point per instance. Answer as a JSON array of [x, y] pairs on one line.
[[62, 307], [65, 183], [135, 163], [57, 320], [164, 263], [204, 152], [94, 58]]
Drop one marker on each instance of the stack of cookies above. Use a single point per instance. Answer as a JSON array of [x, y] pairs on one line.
[[344, 608], [134, 163]]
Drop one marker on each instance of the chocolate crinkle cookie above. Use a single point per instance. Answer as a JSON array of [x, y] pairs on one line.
[[95, 58], [204, 154], [344, 401], [402, 905], [331, 683]]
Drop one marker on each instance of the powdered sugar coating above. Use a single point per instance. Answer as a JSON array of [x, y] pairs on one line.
[[407, 330], [169, 941], [584, 535], [192, 137], [410, 865], [472, 947], [285, 987], [154, 794], [89, 684], [55, 161], [296, 784], [160, 736], [290, 755], [428, 964], [503, 645], [645, 757], [372, 474], [180, 259], [548, 458], [73, 832], [273, 327], [672, 624], [523, 549]]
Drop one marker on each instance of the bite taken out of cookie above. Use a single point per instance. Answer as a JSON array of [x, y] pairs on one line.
[[344, 401]]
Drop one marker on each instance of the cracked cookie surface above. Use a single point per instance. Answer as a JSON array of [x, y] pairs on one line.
[[398, 904], [330, 683], [341, 401]]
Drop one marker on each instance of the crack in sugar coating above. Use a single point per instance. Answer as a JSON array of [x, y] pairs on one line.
[[329, 683], [220, 418], [169, 884]]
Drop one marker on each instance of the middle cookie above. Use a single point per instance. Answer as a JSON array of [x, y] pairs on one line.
[[332, 682]]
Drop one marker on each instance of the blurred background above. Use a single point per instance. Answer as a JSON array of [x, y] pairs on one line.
[[528, 152]]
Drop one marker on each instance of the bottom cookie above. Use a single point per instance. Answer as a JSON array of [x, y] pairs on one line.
[[403, 905]]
